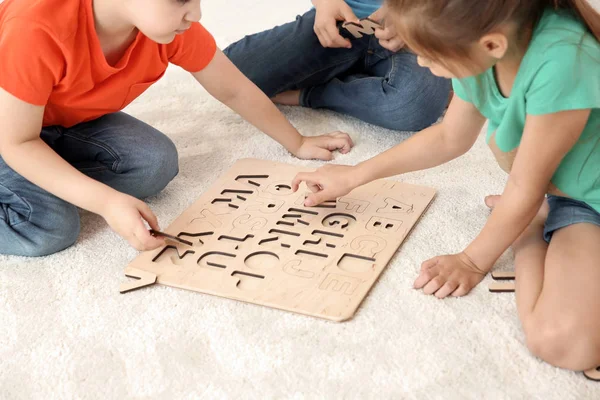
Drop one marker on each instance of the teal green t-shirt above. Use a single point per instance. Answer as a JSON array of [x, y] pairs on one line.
[[364, 8], [559, 72]]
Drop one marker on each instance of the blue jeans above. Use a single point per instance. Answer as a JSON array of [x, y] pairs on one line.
[[367, 82], [116, 149], [565, 211]]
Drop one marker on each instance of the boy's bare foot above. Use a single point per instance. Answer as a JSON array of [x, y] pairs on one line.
[[289, 98]]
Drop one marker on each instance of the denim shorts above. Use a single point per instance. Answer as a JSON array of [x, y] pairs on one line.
[[565, 211]]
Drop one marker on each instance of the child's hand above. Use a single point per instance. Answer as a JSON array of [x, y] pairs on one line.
[[388, 38], [124, 215], [327, 183], [448, 275], [328, 13], [320, 147]]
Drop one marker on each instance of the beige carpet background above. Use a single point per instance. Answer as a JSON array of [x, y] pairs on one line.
[[66, 332]]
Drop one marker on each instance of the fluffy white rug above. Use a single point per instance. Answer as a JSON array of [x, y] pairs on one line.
[[66, 332]]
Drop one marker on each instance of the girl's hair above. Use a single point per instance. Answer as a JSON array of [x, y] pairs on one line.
[[447, 28]]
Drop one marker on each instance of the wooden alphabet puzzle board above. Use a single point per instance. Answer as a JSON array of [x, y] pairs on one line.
[[254, 241]]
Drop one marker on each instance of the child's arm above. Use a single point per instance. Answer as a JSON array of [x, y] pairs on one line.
[[25, 152], [431, 147], [227, 84], [546, 140]]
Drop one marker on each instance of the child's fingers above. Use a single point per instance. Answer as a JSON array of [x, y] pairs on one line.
[[313, 187], [314, 199], [299, 178], [296, 183], [343, 135], [429, 263], [134, 241], [448, 288], [461, 291], [425, 276], [385, 34], [335, 39], [348, 14], [393, 45], [146, 240], [341, 143], [148, 215], [434, 284], [322, 36]]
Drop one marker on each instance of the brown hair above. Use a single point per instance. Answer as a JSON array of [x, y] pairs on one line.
[[447, 28]]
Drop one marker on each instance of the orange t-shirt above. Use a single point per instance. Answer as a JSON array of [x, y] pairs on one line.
[[50, 55]]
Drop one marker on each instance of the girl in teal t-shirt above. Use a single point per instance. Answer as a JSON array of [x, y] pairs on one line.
[[532, 69]]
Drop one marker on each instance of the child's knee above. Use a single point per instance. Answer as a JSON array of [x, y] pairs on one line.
[[31, 240], [160, 167], [415, 106], [563, 341]]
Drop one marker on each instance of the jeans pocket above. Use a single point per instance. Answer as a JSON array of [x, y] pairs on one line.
[[13, 209]]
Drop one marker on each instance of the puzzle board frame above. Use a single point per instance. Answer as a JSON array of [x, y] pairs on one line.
[[254, 241]]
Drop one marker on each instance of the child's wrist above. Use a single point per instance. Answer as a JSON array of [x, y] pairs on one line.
[[295, 143], [101, 200], [362, 174], [479, 261]]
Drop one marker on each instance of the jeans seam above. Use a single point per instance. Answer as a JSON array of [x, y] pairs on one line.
[[355, 58], [117, 161], [29, 208], [392, 72]]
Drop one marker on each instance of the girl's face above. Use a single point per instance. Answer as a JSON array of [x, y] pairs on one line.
[[482, 56], [162, 20], [478, 63]]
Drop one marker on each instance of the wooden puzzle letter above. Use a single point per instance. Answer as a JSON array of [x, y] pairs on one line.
[[368, 246], [339, 221], [366, 26], [247, 282], [340, 283], [279, 189], [253, 181], [144, 278], [395, 207], [291, 268], [206, 221], [383, 225], [246, 222], [265, 206], [360, 206]]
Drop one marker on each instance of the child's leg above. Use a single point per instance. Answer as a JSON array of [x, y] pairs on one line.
[[33, 222], [393, 92], [558, 289], [121, 152], [290, 57], [117, 149]]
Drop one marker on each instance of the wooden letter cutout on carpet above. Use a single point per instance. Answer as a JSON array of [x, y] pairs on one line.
[[254, 241]]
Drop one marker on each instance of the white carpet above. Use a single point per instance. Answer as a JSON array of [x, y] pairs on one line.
[[66, 332]]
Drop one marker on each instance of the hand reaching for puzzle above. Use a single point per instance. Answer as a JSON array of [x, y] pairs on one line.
[[320, 147], [125, 215], [450, 275], [388, 38], [328, 13], [327, 183]]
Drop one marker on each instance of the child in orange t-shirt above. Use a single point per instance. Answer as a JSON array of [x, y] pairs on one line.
[[67, 69]]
